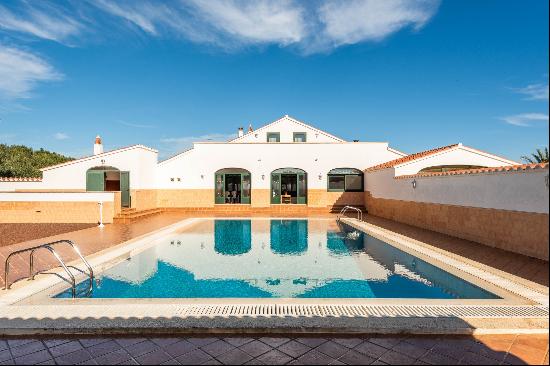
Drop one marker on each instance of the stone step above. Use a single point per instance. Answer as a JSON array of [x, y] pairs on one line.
[[133, 214]]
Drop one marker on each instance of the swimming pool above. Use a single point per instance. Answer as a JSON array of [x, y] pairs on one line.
[[276, 258]]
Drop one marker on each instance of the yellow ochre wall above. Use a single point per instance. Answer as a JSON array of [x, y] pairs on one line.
[[519, 232], [182, 198], [54, 212]]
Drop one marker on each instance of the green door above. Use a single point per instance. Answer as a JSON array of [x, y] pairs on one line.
[[275, 189], [245, 188], [302, 189], [95, 180], [220, 188], [125, 188]]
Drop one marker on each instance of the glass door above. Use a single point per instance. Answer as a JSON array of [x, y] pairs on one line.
[[275, 188], [245, 188], [220, 188], [302, 189]]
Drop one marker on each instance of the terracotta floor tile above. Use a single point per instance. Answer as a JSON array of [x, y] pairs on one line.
[[530, 355], [534, 341]]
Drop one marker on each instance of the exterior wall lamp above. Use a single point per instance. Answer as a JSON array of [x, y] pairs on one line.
[[414, 184], [263, 176], [320, 176], [202, 176]]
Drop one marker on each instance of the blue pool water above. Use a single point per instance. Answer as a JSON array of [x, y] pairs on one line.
[[262, 258]]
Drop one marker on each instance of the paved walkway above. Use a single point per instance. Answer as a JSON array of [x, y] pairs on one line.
[[254, 350]]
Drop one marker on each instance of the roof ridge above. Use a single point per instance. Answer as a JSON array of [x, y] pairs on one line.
[[411, 157], [102, 154], [20, 179], [497, 169], [295, 120]]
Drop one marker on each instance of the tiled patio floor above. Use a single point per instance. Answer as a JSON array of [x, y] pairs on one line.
[[278, 350]]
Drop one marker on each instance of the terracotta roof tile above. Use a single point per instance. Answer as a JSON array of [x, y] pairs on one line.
[[508, 168], [20, 179], [411, 157]]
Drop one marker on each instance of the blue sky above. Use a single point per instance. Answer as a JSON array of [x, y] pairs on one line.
[[418, 74]]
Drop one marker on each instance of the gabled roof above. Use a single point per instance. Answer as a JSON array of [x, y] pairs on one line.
[[498, 169], [287, 117], [107, 153], [423, 154], [411, 157]]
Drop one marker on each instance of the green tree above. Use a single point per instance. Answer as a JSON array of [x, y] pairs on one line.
[[23, 161], [540, 156]]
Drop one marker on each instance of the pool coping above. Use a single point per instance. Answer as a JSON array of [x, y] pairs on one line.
[[524, 311]]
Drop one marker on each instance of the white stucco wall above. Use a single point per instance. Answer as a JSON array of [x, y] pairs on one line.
[[197, 167], [140, 162], [519, 191], [13, 186]]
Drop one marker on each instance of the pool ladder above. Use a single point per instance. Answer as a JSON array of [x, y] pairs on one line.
[[50, 248], [346, 208]]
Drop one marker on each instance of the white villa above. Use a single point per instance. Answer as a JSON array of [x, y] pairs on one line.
[[288, 166], [286, 161]]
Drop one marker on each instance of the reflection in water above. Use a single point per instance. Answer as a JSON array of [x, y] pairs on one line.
[[277, 258], [288, 236], [232, 237]]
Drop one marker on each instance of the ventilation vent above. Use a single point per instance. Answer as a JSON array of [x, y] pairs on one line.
[[395, 311]]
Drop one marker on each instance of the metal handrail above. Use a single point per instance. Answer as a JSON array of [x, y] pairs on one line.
[[49, 247], [345, 208], [76, 250]]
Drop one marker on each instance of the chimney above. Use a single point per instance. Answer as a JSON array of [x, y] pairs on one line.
[[98, 146], [250, 129], [241, 132]]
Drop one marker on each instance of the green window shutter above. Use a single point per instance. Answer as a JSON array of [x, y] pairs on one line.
[[245, 188], [95, 181], [302, 189], [220, 188], [125, 189], [276, 188]]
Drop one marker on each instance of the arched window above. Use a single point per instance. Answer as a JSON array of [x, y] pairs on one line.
[[345, 180], [232, 185], [289, 185]]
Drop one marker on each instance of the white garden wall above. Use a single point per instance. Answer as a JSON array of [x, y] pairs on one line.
[[517, 191]]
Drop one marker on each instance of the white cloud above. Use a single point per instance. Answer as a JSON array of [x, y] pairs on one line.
[[142, 15], [42, 20], [535, 91], [310, 27], [60, 136], [354, 21], [524, 119], [135, 125], [20, 71], [266, 21]]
